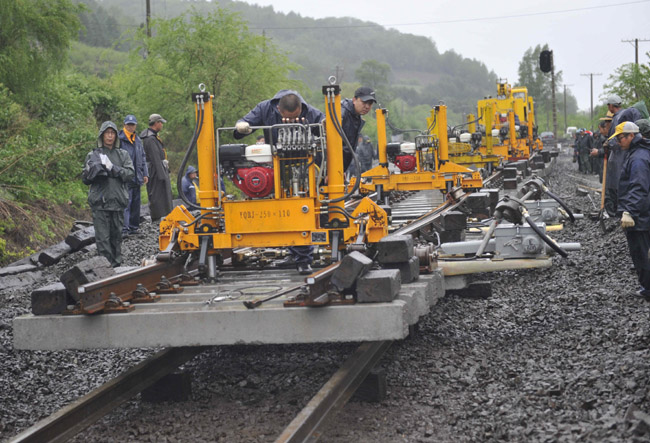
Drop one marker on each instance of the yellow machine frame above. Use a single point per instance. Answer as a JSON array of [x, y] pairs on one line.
[[489, 155], [280, 220], [513, 101], [445, 175]]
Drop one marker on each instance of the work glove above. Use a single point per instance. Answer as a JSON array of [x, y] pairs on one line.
[[106, 161], [243, 128], [627, 221], [166, 164]]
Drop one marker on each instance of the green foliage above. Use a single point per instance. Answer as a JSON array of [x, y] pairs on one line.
[[373, 74], [42, 156], [34, 38], [237, 67], [338, 46], [99, 62], [631, 83], [6, 256], [6, 224], [99, 28]]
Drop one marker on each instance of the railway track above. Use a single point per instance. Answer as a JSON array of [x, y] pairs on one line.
[[74, 418], [308, 425]]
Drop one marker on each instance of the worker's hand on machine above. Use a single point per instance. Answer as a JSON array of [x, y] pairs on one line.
[[106, 161], [243, 128], [627, 221]]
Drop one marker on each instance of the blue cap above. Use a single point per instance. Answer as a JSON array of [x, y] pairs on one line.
[[130, 119]]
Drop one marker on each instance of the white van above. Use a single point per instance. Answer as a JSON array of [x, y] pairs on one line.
[[571, 131]]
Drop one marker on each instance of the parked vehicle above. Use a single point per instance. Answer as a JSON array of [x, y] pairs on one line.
[[571, 131], [548, 138]]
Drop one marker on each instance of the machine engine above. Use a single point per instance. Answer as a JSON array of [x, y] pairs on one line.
[[523, 131], [476, 140], [249, 168], [402, 155], [254, 182], [258, 169]]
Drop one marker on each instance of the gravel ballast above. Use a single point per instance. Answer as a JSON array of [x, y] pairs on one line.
[[557, 354]]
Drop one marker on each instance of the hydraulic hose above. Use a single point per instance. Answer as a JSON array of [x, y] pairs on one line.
[[433, 124], [564, 205], [400, 131], [545, 237], [188, 152], [476, 120], [344, 137], [339, 129]]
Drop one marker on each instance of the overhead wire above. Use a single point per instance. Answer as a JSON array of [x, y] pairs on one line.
[[460, 20]]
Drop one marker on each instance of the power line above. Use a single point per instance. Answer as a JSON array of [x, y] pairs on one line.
[[460, 20], [636, 48], [636, 61], [439, 22]]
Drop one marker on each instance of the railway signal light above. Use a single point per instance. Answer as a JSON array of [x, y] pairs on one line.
[[546, 61]]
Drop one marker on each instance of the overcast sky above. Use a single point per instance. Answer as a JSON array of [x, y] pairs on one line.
[[585, 36]]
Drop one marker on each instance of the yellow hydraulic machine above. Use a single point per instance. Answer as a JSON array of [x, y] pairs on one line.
[[513, 115], [422, 164], [288, 200], [472, 148]]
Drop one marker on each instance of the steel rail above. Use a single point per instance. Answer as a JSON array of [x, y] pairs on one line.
[[93, 296], [309, 424], [72, 419], [431, 216]]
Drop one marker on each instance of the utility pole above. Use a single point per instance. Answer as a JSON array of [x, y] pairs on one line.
[[546, 65], [636, 62], [591, 81], [553, 97], [565, 123], [340, 69], [148, 18]]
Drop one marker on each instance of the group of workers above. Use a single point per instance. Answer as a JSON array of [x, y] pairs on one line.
[[116, 169], [627, 180], [123, 162]]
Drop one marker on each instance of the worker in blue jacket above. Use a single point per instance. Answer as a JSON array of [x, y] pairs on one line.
[[614, 154], [286, 106], [187, 184], [634, 199], [130, 142], [351, 121]]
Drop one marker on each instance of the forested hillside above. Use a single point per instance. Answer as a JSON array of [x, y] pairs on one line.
[[419, 74]]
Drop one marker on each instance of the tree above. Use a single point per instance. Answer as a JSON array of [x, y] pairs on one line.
[[34, 38], [375, 75], [630, 82], [537, 82], [99, 27], [216, 49]]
